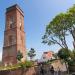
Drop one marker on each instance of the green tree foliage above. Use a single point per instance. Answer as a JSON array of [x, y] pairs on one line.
[[19, 55], [73, 55], [31, 53], [72, 58], [64, 54], [61, 26], [70, 22], [55, 55], [56, 32]]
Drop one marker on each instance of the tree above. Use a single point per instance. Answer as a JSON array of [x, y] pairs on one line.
[[70, 22], [72, 58], [55, 55], [64, 54], [19, 55], [61, 26], [31, 53], [56, 32]]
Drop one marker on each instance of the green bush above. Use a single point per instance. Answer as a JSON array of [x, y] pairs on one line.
[[29, 63], [25, 64]]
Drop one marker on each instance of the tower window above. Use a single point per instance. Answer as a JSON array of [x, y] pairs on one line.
[[12, 21], [20, 22], [11, 25], [10, 40]]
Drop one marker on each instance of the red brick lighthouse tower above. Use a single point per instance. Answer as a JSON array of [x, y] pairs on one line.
[[14, 35]]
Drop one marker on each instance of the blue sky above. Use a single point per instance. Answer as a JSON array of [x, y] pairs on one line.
[[37, 14]]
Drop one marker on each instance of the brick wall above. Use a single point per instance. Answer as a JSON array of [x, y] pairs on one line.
[[28, 71]]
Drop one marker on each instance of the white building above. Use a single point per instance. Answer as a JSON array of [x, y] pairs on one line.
[[48, 55]]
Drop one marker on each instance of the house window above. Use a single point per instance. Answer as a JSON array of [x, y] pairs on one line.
[[44, 57]]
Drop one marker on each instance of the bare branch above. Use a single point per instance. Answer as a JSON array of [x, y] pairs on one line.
[[57, 42]]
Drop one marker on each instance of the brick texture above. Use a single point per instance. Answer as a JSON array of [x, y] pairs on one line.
[[14, 35]]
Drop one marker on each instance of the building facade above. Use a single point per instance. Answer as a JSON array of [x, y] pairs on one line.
[[46, 56], [14, 35]]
